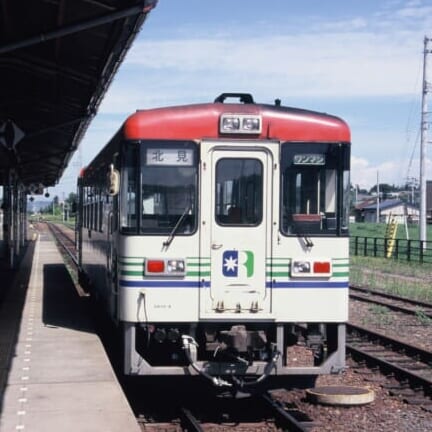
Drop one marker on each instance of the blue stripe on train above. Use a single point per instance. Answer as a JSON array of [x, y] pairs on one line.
[[307, 284], [165, 284], [206, 284]]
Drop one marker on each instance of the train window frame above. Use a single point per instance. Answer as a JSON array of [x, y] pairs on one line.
[[87, 206], [193, 215], [101, 211], [130, 170], [232, 214], [330, 163], [187, 158]]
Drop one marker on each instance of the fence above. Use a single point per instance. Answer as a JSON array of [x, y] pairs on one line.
[[409, 250]]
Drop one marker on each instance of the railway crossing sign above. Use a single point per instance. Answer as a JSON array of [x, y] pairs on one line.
[[10, 134]]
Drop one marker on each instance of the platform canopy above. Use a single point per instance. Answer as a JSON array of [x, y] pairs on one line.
[[57, 59]]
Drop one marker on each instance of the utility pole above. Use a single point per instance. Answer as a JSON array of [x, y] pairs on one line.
[[412, 183], [378, 200], [424, 130]]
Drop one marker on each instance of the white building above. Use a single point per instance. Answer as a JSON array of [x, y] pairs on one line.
[[391, 209]]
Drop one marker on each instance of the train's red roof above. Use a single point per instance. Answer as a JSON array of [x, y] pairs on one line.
[[202, 121]]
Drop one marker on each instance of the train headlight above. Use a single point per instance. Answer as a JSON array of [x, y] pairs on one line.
[[251, 124], [230, 124], [240, 124], [301, 267], [176, 266]]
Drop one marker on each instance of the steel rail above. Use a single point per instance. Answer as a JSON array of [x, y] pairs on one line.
[[408, 349], [389, 367], [372, 291], [392, 306], [189, 422], [390, 344], [55, 231], [287, 421]]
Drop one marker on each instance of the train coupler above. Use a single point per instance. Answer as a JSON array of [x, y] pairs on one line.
[[190, 348]]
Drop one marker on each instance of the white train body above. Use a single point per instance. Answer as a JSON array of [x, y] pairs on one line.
[[226, 240]]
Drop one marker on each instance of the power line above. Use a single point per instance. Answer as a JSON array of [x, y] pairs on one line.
[[412, 110]]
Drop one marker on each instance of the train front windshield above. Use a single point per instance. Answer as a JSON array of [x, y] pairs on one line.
[[315, 188], [162, 189]]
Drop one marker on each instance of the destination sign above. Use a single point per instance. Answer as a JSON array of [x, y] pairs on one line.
[[169, 157], [309, 159]]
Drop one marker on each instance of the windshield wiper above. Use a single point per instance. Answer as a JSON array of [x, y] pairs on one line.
[[170, 238]]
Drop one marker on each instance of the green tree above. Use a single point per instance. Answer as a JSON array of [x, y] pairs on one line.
[[71, 201], [384, 189]]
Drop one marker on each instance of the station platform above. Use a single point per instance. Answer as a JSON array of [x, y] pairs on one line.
[[54, 372]]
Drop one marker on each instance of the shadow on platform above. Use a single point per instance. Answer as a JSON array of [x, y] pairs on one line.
[[13, 290], [62, 306]]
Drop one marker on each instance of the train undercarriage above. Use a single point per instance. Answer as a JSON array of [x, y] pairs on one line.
[[234, 355]]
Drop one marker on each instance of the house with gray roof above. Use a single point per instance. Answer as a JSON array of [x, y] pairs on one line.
[[391, 209]]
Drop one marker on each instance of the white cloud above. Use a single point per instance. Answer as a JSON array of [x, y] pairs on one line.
[[414, 11], [366, 175], [333, 64]]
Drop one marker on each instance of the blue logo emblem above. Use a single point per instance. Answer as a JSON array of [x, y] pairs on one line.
[[230, 263]]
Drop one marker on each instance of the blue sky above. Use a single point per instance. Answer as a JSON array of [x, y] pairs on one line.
[[361, 60]]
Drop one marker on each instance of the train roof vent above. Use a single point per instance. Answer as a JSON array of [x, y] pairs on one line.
[[245, 98]]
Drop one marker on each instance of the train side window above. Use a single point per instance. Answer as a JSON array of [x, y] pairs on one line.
[[128, 192], [346, 183], [91, 215], [95, 210], [87, 206], [84, 215], [100, 216]]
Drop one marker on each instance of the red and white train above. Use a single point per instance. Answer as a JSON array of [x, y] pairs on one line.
[[216, 236]]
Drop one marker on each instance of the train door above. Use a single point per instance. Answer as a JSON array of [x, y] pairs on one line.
[[238, 238], [112, 267]]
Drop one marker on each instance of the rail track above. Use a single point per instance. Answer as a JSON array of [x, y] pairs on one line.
[[391, 301], [408, 364], [253, 414], [292, 419], [66, 238]]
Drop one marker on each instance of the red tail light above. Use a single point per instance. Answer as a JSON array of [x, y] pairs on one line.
[[321, 267], [155, 266]]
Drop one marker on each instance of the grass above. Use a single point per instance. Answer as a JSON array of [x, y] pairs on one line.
[[408, 279], [53, 218], [365, 229], [424, 319], [395, 277], [380, 315]]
